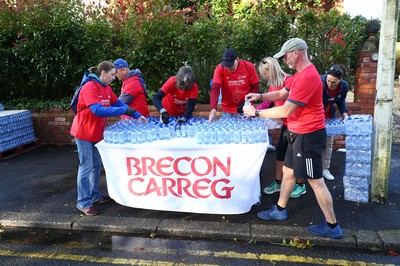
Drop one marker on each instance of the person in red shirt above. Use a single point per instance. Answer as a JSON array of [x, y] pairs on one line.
[[233, 78], [96, 102], [132, 91], [335, 92], [178, 96], [306, 135], [271, 71]]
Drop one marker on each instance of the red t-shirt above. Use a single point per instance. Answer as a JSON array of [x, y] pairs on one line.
[[176, 100], [332, 94], [86, 125], [133, 87], [306, 92], [235, 85]]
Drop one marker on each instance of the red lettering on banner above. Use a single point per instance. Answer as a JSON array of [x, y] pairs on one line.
[[207, 170], [226, 170], [152, 187], [184, 188], [148, 165], [170, 188], [133, 162], [197, 187], [131, 186], [176, 168], [160, 166], [228, 190], [181, 187], [160, 183]]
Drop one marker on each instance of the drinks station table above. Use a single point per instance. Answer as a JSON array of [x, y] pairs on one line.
[[181, 175]]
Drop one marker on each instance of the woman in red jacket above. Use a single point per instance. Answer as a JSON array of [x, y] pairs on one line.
[[96, 102]]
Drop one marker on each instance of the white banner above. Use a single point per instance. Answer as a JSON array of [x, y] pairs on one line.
[[181, 175]]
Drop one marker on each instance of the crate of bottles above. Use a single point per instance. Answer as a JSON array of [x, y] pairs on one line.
[[356, 179], [335, 127], [16, 129]]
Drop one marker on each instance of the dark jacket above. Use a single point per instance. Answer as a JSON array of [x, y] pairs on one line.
[[340, 98]]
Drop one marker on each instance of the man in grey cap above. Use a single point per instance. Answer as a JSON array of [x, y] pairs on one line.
[[306, 135]]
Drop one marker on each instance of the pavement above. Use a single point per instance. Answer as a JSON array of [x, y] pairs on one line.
[[38, 190]]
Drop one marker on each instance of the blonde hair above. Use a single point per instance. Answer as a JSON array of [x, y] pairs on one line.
[[276, 74]]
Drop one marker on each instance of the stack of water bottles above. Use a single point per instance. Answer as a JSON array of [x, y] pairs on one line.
[[16, 129], [357, 174], [221, 131], [335, 127]]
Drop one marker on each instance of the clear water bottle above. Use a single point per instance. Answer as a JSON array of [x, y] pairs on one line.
[[121, 137], [229, 135], [162, 133], [206, 136], [237, 136], [213, 136], [115, 136], [199, 135], [245, 136], [133, 136], [184, 131], [221, 135], [107, 136]]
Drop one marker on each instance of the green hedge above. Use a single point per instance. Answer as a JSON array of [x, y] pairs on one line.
[[46, 45]]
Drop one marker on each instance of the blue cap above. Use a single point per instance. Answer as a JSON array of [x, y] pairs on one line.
[[228, 58], [120, 63]]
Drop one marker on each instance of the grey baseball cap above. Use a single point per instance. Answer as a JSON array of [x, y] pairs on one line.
[[291, 45]]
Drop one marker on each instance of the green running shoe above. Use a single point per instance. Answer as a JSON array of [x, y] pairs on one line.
[[272, 188], [298, 191]]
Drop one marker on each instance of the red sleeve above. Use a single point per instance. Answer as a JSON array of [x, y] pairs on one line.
[[169, 85], [214, 94], [218, 74], [194, 92]]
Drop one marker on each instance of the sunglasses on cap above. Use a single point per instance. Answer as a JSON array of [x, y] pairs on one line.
[[336, 71]]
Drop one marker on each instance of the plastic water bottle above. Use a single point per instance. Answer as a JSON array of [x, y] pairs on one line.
[[199, 135], [237, 136], [107, 136], [213, 136], [133, 136]]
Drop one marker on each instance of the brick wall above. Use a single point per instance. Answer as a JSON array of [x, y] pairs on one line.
[[365, 78], [53, 126]]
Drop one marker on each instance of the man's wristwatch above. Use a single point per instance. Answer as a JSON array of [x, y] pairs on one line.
[[257, 113]]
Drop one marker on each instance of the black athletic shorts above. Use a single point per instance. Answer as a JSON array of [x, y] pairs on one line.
[[282, 145], [304, 156]]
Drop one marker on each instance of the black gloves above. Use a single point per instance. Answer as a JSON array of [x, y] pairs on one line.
[[240, 108], [165, 117], [179, 122], [130, 111]]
